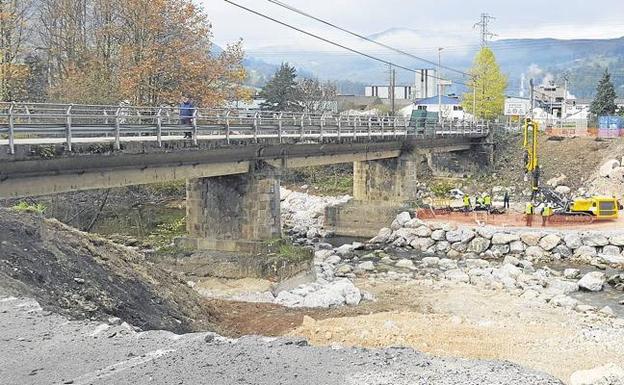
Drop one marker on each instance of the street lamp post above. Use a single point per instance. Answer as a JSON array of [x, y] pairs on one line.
[[440, 85]]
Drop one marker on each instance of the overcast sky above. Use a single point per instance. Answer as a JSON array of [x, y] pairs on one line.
[[449, 19]]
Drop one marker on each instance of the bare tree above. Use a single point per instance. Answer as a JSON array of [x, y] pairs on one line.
[[14, 32], [315, 96]]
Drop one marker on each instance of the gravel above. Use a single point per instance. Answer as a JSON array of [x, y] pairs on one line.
[[43, 348]]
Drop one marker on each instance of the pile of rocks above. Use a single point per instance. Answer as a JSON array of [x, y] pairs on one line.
[[610, 177], [518, 276], [598, 249], [303, 214], [329, 290]]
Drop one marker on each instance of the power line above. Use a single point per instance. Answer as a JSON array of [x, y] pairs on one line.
[[337, 44], [303, 13]]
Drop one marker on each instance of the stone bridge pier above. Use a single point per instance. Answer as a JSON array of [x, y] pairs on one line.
[[381, 189], [234, 213]]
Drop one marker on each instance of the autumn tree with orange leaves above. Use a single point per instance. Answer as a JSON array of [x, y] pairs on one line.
[[149, 52]]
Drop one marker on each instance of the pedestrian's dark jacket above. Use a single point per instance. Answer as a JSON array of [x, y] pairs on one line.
[[187, 109]]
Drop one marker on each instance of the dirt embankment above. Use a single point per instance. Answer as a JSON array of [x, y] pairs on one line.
[[84, 276], [577, 158]]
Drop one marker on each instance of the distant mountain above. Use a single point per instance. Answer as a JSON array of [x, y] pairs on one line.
[[583, 60]]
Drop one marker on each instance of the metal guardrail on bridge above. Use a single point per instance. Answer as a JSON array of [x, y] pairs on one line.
[[112, 123]]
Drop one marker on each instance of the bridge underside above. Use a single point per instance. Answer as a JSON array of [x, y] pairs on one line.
[[233, 201]]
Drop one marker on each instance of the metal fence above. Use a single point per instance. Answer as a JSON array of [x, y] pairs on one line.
[[112, 123]]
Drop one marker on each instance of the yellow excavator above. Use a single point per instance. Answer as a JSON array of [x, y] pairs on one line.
[[582, 209]]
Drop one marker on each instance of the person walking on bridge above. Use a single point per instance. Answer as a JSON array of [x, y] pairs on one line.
[[187, 111]]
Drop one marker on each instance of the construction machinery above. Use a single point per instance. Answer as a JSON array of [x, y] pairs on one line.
[[583, 210]]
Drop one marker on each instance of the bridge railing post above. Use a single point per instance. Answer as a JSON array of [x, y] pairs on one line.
[[11, 130], [302, 133], [255, 127], [227, 127], [117, 129], [322, 125], [159, 127], [406, 123], [279, 126], [338, 126], [370, 127], [194, 122], [68, 127], [394, 126]]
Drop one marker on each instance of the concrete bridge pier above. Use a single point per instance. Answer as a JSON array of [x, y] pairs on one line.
[[235, 213]]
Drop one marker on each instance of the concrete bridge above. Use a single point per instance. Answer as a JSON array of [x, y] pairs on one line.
[[232, 161]]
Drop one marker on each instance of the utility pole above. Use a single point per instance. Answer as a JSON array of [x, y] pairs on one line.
[[484, 27], [440, 85], [392, 90], [532, 99], [564, 106]]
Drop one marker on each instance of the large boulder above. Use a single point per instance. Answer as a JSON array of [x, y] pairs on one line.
[[403, 218], [585, 252], [504, 238], [571, 273], [617, 175], [478, 245], [573, 241], [610, 259], [534, 252], [611, 250], [422, 244], [531, 239], [414, 223], [593, 281], [564, 301], [563, 190], [563, 250], [406, 264], [549, 242], [554, 182], [443, 246], [617, 239], [486, 232], [366, 266], [461, 235], [607, 167], [610, 374], [447, 264], [438, 235], [595, 240], [422, 231], [516, 247], [383, 236], [408, 234]]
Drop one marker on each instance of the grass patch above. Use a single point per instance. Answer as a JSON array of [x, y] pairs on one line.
[[283, 249], [167, 231], [25, 207], [328, 180]]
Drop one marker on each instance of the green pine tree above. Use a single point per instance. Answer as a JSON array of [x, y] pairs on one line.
[[281, 92], [604, 102], [490, 85]]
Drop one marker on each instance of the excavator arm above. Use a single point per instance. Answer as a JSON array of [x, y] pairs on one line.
[[531, 159]]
